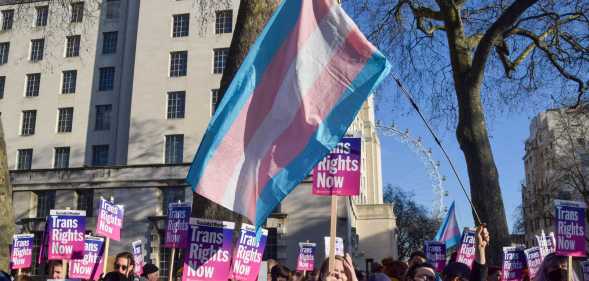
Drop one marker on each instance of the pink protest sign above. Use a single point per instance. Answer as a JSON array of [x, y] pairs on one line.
[[90, 267], [339, 172], [208, 255], [306, 259], [514, 262], [466, 251], [177, 225], [110, 220], [137, 250], [533, 260], [21, 253], [570, 228], [585, 269], [65, 239], [247, 256], [435, 251]]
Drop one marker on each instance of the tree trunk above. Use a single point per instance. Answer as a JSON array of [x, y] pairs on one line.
[[251, 18], [6, 215]]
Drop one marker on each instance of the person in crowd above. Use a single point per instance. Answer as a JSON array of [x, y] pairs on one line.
[[4, 276], [421, 272], [22, 277], [417, 257], [297, 276], [125, 264], [271, 263], [343, 270], [398, 270], [280, 272], [554, 268], [150, 273], [456, 271], [114, 276], [378, 273], [494, 273], [55, 270]]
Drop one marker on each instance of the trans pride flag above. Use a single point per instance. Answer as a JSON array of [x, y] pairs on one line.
[[293, 98], [449, 231]]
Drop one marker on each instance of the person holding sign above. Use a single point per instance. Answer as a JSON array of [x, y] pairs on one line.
[[554, 268], [343, 270], [456, 271]]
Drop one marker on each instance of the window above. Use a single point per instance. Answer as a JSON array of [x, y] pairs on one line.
[[103, 113], [29, 118], [223, 21], [33, 83], [65, 120], [176, 102], [86, 201], [109, 42], [37, 47], [69, 82], [214, 100], [178, 63], [4, 48], [106, 80], [77, 12], [113, 8], [25, 159], [219, 59], [2, 84], [45, 202], [174, 149], [180, 25], [72, 47], [99, 155], [581, 142], [62, 158], [42, 13], [171, 195], [7, 18]]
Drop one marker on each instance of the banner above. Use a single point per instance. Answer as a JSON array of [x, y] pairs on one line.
[[585, 269], [339, 246], [534, 260], [570, 228], [177, 225], [21, 253], [306, 259], [90, 267], [208, 255], [66, 234], [466, 250], [435, 251], [513, 264], [339, 172], [546, 243], [248, 254], [110, 220], [137, 250]]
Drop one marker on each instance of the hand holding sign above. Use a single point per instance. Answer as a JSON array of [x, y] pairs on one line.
[[482, 240]]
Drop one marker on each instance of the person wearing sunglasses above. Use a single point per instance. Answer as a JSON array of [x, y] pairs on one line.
[[124, 264]]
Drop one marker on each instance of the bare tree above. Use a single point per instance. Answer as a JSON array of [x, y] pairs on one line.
[[476, 56], [6, 214]]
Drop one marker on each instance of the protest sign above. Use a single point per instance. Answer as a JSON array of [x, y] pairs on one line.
[[90, 267], [534, 260], [247, 256], [110, 220], [466, 251], [435, 251], [306, 259], [21, 253], [177, 225], [546, 243], [65, 234], [339, 172], [339, 246], [570, 228], [137, 249], [208, 255], [513, 264], [585, 269]]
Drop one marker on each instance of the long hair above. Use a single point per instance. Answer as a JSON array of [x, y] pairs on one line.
[[131, 260], [551, 261]]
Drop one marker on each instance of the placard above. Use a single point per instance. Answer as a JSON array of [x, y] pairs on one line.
[[534, 260], [570, 228], [248, 254], [466, 250], [339, 172], [137, 250], [208, 256], [66, 234], [21, 253], [546, 243], [177, 225], [110, 220], [90, 267], [339, 246], [435, 251], [306, 259], [514, 262]]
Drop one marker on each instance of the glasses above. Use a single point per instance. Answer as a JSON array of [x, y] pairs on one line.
[[424, 278], [117, 266]]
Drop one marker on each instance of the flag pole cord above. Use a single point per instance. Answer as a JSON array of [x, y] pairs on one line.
[[437, 140]]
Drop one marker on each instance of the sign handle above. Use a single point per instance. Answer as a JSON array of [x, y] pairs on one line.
[[19, 272], [171, 271], [65, 264], [105, 255], [332, 233], [570, 269]]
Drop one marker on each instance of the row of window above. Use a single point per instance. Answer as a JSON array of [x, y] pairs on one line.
[[179, 62], [173, 154], [223, 23], [42, 14]]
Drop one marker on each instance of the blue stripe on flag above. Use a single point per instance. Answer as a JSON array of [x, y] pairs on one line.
[[247, 78], [325, 138]]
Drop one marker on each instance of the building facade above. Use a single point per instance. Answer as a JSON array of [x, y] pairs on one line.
[[110, 98], [556, 166]]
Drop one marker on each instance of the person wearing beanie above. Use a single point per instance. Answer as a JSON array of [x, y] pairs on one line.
[[150, 273]]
